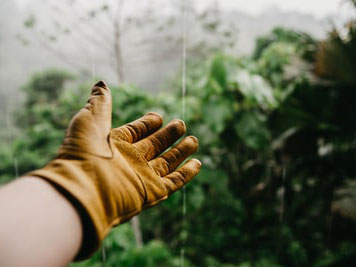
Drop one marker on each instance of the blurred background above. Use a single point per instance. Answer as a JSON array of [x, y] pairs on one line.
[[270, 93]]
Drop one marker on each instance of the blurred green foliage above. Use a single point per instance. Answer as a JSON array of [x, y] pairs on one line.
[[277, 142]]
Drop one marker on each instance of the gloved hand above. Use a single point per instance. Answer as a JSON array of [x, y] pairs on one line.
[[110, 175]]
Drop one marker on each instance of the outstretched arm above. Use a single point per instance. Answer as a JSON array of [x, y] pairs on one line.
[[101, 177]]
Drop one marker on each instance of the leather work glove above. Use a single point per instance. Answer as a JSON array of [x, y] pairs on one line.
[[110, 175]]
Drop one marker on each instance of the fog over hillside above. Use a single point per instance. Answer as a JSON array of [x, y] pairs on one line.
[[148, 60]]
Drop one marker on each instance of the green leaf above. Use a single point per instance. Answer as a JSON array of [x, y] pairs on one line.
[[252, 130], [218, 71], [30, 22], [217, 111], [255, 89]]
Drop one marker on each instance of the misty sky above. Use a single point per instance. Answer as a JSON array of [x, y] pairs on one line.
[[318, 8]]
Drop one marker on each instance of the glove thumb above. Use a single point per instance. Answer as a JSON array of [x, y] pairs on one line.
[[100, 105]]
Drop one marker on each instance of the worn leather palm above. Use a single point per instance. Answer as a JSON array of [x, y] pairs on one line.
[[110, 175]]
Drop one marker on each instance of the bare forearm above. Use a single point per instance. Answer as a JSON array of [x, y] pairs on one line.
[[38, 226]]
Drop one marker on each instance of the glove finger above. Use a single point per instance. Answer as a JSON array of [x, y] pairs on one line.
[[183, 175], [138, 129], [159, 141], [100, 105], [171, 159]]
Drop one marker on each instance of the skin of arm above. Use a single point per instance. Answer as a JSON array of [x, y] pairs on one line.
[[48, 235]]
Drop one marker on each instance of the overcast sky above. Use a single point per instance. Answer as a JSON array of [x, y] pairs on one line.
[[319, 8]]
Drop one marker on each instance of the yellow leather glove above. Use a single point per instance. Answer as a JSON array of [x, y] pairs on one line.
[[110, 175]]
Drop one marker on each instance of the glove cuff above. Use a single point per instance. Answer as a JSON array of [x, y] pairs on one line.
[[102, 200], [71, 179]]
